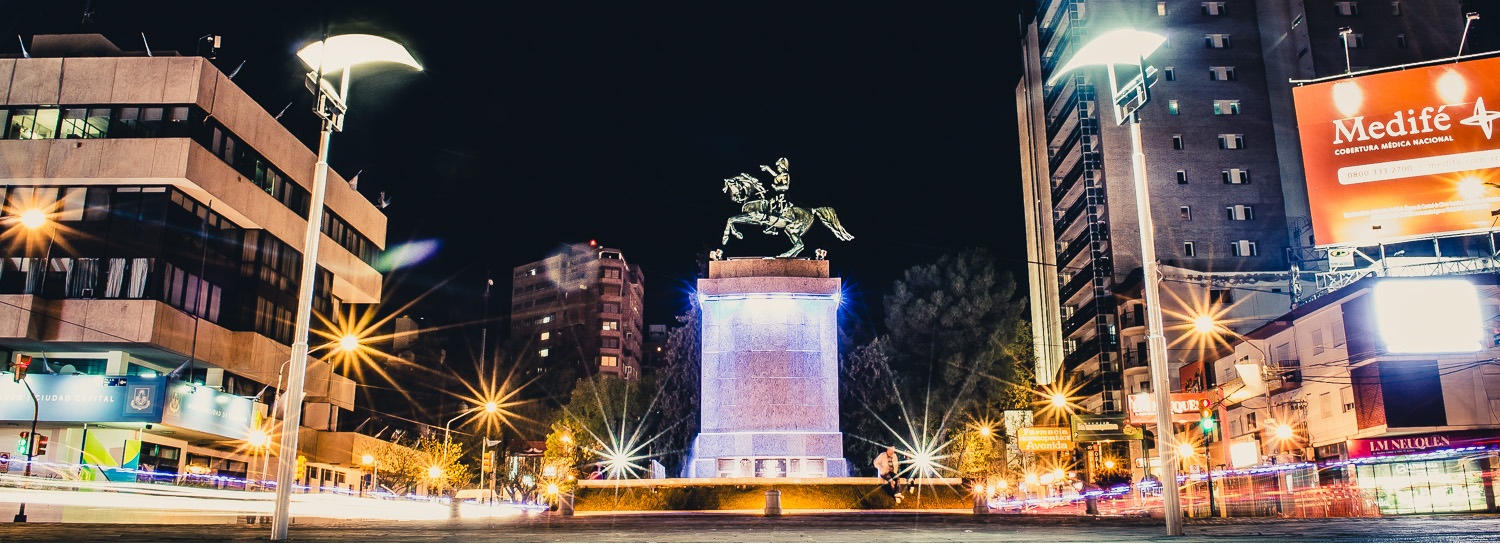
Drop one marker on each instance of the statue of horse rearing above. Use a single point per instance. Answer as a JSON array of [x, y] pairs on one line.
[[776, 214]]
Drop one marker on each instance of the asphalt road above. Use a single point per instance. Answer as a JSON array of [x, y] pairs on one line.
[[840, 527]]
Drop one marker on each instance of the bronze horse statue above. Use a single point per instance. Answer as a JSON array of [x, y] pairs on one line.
[[776, 213]]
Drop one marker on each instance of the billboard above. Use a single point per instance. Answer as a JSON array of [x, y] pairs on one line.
[[83, 399], [1401, 155], [1097, 428], [1186, 407]]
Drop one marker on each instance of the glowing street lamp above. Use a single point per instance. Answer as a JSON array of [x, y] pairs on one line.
[[339, 53], [1285, 432], [369, 461], [33, 219], [1131, 47], [349, 343]]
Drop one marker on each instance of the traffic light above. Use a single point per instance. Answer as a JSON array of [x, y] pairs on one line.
[[19, 369], [488, 463], [41, 445], [24, 444], [1207, 422]]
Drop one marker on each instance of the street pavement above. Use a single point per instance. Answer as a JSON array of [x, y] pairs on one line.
[[794, 527]]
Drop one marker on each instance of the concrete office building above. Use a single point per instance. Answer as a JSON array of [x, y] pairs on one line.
[[580, 306], [1219, 136], [152, 214]]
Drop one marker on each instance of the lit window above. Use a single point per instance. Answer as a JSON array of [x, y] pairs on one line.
[[1216, 41], [545, 319], [1189, 249], [1185, 213], [1213, 8], [1236, 176], [1226, 107], [1244, 248], [1241, 213], [609, 361], [1221, 73], [1177, 142], [611, 325], [1161, 9], [1182, 177], [545, 336], [1172, 107], [543, 352], [1231, 141]]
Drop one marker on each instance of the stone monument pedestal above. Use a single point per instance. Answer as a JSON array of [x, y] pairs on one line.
[[770, 404]]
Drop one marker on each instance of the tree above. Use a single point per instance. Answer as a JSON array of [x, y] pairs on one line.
[[448, 459], [680, 381], [866, 396], [563, 454]]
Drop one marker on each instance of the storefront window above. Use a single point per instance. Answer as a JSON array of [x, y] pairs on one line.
[[1425, 487]]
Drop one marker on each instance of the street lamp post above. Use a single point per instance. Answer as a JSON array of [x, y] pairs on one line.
[[1132, 47], [490, 409], [369, 461], [336, 53]]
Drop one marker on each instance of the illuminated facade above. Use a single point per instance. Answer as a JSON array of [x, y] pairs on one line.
[[1222, 155], [770, 405], [581, 308], [1329, 383], [173, 206]]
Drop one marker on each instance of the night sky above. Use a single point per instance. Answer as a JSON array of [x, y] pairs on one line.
[[543, 123]]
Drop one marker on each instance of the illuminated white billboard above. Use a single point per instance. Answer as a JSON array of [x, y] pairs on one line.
[[1428, 315]]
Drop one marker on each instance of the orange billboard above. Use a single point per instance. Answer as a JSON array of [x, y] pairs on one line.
[[1402, 155]]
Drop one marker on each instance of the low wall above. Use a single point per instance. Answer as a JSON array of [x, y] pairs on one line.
[[750, 494]]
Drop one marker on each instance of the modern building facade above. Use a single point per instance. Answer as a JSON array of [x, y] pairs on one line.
[[581, 310], [152, 213], [1219, 136]]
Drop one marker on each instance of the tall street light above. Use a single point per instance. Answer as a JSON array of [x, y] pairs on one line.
[[338, 53], [489, 408], [1132, 47]]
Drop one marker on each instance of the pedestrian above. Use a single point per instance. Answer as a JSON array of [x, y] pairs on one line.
[[888, 467]]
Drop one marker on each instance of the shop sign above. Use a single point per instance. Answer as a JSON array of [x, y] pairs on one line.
[[83, 399], [1393, 445], [1096, 428], [207, 410], [1035, 439], [1186, 407]]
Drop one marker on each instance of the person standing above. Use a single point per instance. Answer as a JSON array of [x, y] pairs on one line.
[[888, 467]]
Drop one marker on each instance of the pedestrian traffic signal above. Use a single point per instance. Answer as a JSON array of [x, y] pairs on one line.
[[41, 445], [19, 369], [24, 444]]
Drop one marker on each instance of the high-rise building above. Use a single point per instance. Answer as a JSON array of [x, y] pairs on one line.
[[1222, 159], [149, 265], [579, 311]]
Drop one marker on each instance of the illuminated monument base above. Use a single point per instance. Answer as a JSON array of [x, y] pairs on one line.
[[770, 405]]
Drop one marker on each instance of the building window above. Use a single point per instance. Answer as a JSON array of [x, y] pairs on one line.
[[1226, 107], [32, 124], [1182, 177], [1172, 107], [1231, 141], [1236, 176], [85, 123], [1395, 7], [611, 325], [1317, 341], [1347, 9], [1185, 213], [611, 273], [1161, 9], [1169, 73], [1221, 73], [609, 342], [1346, 397], [1356, 41], [610, 307], [1189, 249], [1213, 8], [1325, 404], [1216, 41], [609, 361], [1176, 141], [545, 336], [1241, 213], [544, 319], [543, 352], [1250, 421], [1244, 248], [1401, 41], [1220, 296]]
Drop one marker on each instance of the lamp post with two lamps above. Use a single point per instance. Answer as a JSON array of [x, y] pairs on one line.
[[1131, 47], [337, 53]]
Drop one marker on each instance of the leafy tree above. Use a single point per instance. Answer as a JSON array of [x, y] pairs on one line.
[[400, 468], [678, 405], [866, 397], [563, 453], [447, 458]]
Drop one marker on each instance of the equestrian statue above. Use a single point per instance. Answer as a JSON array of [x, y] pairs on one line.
[[775, 213]]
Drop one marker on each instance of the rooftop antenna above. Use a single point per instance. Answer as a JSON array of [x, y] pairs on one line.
[[1469, 19], [148, 45], [1344, 33], [24, 52], [88, 13]]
